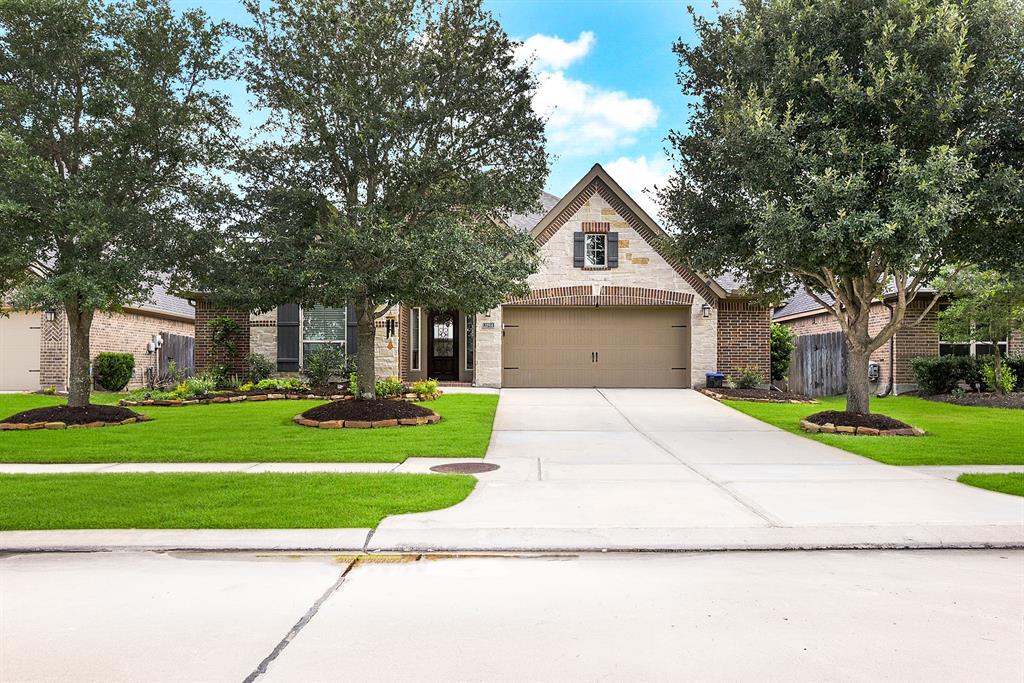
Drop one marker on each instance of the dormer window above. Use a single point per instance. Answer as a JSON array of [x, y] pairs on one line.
[[595, 252]]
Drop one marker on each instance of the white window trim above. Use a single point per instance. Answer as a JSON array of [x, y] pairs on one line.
[[587, 237], [303, 342], [415, 360], [468, 321], [973, 345]]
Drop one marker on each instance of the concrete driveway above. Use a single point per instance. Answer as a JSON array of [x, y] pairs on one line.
[[585, 469]]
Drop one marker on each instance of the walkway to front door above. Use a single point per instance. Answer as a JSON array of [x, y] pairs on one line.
[[664, 468]]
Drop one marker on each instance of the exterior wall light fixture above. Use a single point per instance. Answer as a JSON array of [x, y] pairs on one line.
[[705, 310]]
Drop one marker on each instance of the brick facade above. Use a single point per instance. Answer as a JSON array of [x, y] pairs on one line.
[[744, 338], [909, 342], [206, 355], [129, 331]]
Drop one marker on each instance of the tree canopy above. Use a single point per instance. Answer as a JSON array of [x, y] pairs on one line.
[[851, 147], [108, 126], [398, 135]]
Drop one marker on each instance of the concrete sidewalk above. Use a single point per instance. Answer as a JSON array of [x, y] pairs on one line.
[[675, 470], [668, 470]]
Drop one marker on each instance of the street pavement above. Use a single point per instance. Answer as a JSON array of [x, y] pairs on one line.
[[952, 615]]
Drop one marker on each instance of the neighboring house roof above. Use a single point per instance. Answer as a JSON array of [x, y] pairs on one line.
[[801, 303], [164, 303], [525, 222]]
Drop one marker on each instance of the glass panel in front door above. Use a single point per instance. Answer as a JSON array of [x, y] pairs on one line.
[[444, 336]]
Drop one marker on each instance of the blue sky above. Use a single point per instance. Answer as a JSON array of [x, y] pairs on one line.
[[608, 80]]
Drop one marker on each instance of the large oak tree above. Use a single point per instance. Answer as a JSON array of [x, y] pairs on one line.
[[107, 124], [851, 147], [398, 134]]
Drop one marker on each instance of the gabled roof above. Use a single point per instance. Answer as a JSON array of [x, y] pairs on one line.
[[598, 181], [801, 303]]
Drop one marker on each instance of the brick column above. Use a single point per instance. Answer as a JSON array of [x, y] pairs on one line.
[[206, 356]]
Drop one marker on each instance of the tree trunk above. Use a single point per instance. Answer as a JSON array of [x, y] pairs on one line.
[[997, 366], [858, 390], [79, 380], [365, 364]]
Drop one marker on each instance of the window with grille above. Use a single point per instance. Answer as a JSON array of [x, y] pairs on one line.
[[323, 327]]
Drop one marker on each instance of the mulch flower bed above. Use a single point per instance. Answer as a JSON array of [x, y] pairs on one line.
[[258, 395], [757, 395], [366, 415], [985, 400], [64, 417], [861, 424]]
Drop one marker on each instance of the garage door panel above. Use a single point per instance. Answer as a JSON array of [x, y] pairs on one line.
[[19, 351], [635, 347]]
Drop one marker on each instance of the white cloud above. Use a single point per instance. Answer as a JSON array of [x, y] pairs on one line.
[[551, 53], [639, 177], [582, 119]]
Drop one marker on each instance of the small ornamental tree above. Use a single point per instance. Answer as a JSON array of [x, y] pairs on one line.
[[106, 123], [851, 147], [400, 133], [986, 306]]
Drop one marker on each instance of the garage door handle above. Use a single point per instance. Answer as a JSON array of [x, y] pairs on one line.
[[597, 357]]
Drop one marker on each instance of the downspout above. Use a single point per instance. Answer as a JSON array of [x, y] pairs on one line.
[[892, 353]]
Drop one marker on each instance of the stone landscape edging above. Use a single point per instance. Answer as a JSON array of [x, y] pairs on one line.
[[724, 397], [23, 426], [270, 396], [433, 418], [830, 428]]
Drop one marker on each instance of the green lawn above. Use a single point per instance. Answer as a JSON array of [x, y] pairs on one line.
[[1011, 482], [957, 435], [220, 501], [248, 432]]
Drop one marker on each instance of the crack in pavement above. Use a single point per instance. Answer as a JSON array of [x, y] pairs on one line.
[[300, 624], [763, 514]]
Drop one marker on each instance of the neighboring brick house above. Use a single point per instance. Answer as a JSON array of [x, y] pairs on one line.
[[805, 316], [34, 345], [608, 307]]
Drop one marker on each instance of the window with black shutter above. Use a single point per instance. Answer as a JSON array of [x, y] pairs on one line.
[[288, 338]]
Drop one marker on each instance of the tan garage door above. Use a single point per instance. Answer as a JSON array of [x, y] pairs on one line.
[[19, 351], [596, 347]]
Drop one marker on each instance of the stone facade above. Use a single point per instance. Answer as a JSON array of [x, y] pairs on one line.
[[126, 332], [263, 335], [640, 267]]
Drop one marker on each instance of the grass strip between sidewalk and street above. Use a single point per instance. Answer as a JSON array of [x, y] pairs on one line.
[[220, 501], [248, 432], [956, 435], [1009, 482]]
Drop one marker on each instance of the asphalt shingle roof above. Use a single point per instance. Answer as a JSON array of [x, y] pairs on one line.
[[525, 222], [162, 301]]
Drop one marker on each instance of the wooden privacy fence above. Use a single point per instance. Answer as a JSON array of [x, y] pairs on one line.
[[179, 348], [818, 366]]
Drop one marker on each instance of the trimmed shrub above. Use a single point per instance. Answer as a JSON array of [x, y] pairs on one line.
[[258, 367], [195, 387], [389, 387], [281, 384], [322, 365], [114, 370], [748, 378], [1016, 363], [943, 374], [782, 343], [424, 388], [1005, 382]]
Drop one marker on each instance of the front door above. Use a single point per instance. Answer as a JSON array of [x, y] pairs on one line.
[[443, 346]]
